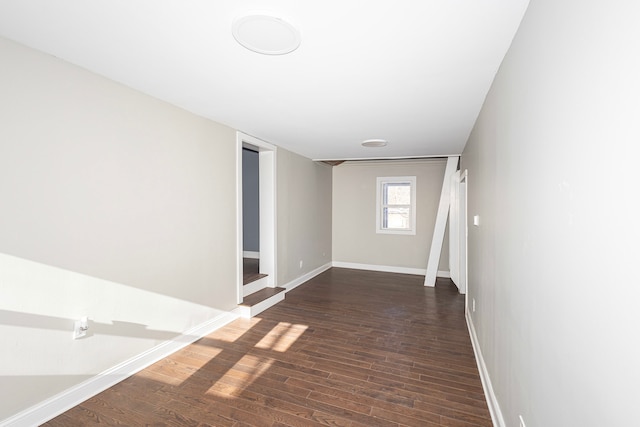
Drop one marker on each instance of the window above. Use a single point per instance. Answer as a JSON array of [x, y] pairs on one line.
[[396, 205]]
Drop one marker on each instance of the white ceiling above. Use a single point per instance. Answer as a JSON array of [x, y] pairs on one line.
[[413, 72]]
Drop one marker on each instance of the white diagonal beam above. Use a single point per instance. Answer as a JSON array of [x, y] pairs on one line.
[[441, 222]]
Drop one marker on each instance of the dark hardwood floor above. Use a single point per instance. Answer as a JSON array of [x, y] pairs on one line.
[[251, 270], [348, 348]]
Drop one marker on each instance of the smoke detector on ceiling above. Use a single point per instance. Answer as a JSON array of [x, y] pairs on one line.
[[266, 34]]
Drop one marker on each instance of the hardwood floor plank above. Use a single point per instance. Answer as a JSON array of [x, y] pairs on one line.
[[206, 415], [403, 419], [349, 348]]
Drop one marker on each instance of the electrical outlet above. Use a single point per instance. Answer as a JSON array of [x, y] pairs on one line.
[[300, 263], [80, 327], [521, 421], [473, 305]]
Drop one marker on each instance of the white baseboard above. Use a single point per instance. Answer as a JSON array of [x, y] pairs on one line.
[[56, 405], [385, 268], [310, 275], [254, 310], [492, 401], [390, 269], [251, 254], [445, 274]]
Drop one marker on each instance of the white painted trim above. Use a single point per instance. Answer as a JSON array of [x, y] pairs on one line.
[[244, 311], [305, 277], [61, 402], [441, 223], [380, 181], [268, 210], [251, 254], [252, 142], [249, 312], [268, 218], [492, 401], [464, 230], [236, 312], [254, 286], [385, 268], [239, 220], [388, 269], [458, 231], [445, 274], [454, 229]]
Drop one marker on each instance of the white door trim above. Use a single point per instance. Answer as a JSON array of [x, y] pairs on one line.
[[464, 234], [267, 162], [458, 231], [454, 229]]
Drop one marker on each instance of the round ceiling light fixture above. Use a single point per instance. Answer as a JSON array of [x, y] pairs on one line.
[[372, 143], [266, 34]]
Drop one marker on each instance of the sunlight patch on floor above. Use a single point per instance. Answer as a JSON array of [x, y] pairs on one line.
[[151, 375], [281, 337], [236, 329], [240, 376]]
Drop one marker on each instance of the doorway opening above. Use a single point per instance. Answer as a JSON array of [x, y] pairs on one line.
[[458, 232], [250, 216], [463, 238], [256, 260]]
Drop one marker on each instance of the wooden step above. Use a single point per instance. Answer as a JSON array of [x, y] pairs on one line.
[[255, 286], [261, 300]]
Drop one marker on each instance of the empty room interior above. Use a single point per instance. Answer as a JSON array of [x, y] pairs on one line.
[[350, 213]]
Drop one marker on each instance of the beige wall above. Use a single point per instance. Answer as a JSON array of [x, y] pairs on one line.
[[114, 205], [304, 215], [552, 165], [354, 214]]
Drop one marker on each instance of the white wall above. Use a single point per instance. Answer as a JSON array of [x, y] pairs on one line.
[[552, 173], [354, 214], [303, 215], [114, 205], [38, 307]]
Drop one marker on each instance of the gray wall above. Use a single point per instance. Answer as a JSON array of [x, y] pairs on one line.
[[114, 205], [250, 200], [303, 215], [552, 166], [354, 214]]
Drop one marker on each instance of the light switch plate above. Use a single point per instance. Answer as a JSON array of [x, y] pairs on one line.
[[80, 327]]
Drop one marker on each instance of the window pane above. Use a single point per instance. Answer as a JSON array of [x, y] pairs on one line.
[[385, 223], [385, 191], [395, 205], [397, 194], [396, 218]]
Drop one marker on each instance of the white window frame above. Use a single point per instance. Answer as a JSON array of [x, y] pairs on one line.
[[380, 181]]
